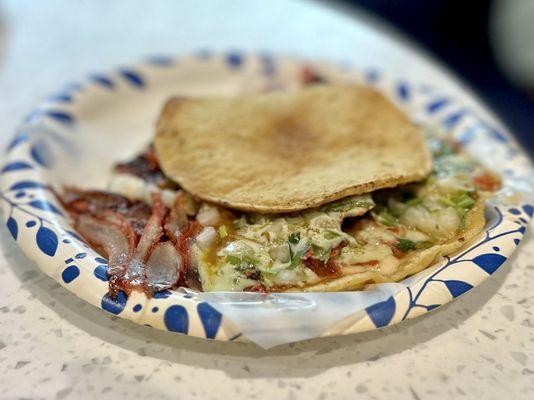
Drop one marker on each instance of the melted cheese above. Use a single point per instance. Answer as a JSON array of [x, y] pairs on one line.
[[268, 250]]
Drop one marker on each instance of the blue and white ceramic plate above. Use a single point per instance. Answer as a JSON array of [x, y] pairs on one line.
[[77, 134]]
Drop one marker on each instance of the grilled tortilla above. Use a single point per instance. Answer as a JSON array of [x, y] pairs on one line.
[[280, 152]]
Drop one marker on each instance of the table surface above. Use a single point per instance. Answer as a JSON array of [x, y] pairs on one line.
[[53, 345]]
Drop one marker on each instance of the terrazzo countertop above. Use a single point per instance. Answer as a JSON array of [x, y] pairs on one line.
[[54, 346]]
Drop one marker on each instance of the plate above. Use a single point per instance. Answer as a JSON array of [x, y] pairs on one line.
[[77, 134]]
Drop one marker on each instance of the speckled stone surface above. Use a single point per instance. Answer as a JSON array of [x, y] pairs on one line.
[[54, 346]]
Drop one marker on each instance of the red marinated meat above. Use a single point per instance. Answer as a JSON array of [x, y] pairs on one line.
[[147, 247]]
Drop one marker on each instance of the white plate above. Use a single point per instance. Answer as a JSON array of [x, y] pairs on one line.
[[77, 135]]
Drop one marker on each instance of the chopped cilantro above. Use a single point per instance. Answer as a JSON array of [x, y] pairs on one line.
[[462, 202], [405, 245], [297, 256], [386, 218], [294, 238], [446, 202], [241, 262], [462, 214], [250, 260], [233, 260]]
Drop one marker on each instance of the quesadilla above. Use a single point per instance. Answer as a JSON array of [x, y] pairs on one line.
[[379, 200]]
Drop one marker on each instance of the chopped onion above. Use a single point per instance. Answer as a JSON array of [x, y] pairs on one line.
[[206, 237], [208, 215], [287, 277], [135, 188], [441, 223], [281, 253]]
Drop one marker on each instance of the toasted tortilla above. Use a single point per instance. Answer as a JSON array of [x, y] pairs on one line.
[[412, 263], [280, 152]]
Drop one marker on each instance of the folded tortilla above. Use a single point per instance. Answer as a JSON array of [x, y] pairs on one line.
[[280, 152]]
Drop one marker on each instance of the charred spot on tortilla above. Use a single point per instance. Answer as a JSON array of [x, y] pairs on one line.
[[281, 152]]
